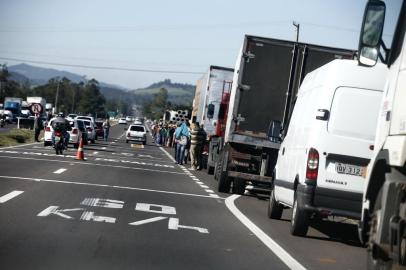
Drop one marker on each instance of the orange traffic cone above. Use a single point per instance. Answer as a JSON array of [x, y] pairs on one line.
[[80, 155]]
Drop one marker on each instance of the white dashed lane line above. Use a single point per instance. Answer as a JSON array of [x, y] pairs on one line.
[[10, 196], [59, 171]]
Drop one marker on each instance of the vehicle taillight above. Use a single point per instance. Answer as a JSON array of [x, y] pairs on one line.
[[312, 166], [47, 129], [74, 131], [128, 134], [58, 133]]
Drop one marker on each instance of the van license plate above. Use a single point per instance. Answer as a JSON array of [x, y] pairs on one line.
[[350, 169]]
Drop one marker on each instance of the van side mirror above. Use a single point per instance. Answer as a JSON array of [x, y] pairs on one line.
[[371, 33], [210, 111]]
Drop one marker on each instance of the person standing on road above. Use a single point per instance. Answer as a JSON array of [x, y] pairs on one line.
[[196, 143], [106, 129], [181, 135], [37, 127]]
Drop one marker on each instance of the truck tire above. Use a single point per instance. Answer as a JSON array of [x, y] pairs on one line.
[[376, 263], [210, 169], [238, 186], [275, 209], [224, 182], [299, 223]]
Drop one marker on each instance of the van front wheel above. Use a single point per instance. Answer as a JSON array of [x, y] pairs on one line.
[[299, 223]]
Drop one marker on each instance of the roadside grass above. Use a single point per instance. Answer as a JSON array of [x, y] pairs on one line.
[[16, 136]]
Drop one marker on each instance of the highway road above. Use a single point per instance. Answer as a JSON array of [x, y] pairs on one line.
[[130, 207]]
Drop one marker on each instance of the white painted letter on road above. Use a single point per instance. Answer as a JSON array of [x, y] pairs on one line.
[[103, 203], [145, 221], [163, 209], [174, 225], [53, 210], [89, 216]]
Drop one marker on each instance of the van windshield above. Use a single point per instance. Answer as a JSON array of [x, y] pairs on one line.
[[354, 112]]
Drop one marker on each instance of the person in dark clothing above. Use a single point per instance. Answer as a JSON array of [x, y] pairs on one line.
[[37, 127]]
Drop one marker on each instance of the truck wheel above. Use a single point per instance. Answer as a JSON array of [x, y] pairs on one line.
[[275, 209], [380, 262], [239, 186], [299, 223], [224, 182], [210, 169]]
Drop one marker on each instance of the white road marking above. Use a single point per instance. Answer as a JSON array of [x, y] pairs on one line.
[[17, 146], [209, 191], [10, 196], [89, 216], [135, 162], [53, 210], [59, 171], [103, 148], [214, 196], [95, 153], [204, 186], [282, 254], [93, 164], [106, 203], [105, 186], [145, 221], [167, 154], [173, 224], [146, 207]]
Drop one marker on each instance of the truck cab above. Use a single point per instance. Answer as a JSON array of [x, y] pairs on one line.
[[384, 206]]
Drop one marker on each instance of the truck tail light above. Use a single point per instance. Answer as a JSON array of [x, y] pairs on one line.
[[312, 166]]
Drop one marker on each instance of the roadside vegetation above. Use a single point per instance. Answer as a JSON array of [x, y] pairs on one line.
[[16, 136]]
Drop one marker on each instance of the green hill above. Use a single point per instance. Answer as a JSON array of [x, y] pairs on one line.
[[181, 94]]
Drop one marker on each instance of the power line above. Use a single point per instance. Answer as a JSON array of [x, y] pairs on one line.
[[103, 67]]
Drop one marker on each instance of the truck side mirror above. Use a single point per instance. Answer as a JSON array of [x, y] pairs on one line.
[[210, 111], [371, 33]]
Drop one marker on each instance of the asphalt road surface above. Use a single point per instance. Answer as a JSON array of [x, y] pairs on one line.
[[130, 207]]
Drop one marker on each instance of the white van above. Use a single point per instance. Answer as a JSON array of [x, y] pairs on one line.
[[322, 160]]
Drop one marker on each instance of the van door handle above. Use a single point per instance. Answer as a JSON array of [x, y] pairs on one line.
[[322, 114]]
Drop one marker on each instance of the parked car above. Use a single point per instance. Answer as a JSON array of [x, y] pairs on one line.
[[89, 118], [71, 117], [48, 133], [122, 121], [136, 133], [91, 132], [76, 133], [128, 118], [82, 128], [136, 122], [99, 129], [322, 161]]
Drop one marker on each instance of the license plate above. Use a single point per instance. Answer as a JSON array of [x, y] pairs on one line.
[[57, 138], [349, 169]]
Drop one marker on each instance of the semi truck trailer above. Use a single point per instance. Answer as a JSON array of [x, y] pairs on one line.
[[266, 78]]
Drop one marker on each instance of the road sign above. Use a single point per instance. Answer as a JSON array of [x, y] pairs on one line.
[[36, 108]]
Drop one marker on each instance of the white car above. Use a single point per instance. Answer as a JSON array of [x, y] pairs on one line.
[[122, 121], [137, 122], [48, 133], [75, 134], [89, 118], [71, 117], [322, 161], [136, 133], [128, 119], [91, 131]]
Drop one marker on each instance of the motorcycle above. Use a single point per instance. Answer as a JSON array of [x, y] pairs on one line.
[[59, 143]]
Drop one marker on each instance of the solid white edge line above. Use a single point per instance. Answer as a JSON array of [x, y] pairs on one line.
[[10, 195], [21, 145], [282, 254], [105, 185], [60, 171], [169, 155]]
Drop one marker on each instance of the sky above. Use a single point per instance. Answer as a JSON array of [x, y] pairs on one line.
[[175, 39]]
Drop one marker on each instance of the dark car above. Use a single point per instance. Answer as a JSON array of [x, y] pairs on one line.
[[99, 129]]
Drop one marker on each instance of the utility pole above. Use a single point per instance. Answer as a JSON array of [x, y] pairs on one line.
[[56, 97], [297, 26]]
